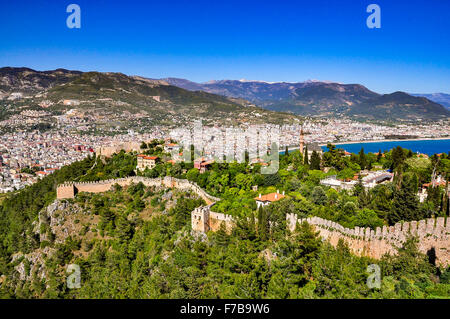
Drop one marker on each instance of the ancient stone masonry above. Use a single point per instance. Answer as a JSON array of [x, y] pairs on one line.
[[433, 234], [204, 220], [70, 189]]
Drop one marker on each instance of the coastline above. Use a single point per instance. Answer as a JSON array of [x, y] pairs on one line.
[[292, 148], [390, 140]]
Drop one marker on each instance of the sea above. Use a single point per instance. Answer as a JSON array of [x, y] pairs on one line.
[[428, 147]]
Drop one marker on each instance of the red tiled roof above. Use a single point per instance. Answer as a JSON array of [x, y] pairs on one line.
[[272, 197], [147, 157]]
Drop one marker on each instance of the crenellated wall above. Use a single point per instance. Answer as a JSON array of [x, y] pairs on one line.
[[432, 233], [70, 189], [204, 220]]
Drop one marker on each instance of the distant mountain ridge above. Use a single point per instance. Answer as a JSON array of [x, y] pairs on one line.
[[224, 100], [441, 98], [109, 93], [29, 81], [323, 99]]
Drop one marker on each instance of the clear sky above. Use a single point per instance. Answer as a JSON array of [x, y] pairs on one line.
[[257, 40]]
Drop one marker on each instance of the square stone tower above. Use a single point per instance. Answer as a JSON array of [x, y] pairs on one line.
[[200, 219]]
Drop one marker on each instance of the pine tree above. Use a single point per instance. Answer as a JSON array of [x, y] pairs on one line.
[[381, 202], [446, 204], [277, 288], [305, 156], [405, 205], [124, 231], [315, 161], [398, 156], [434, 197], [263, 224], [362, 159], [221, 236], [360, 191], [447, 210]]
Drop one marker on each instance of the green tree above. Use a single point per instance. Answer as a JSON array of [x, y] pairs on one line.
[[398, 157], [305, 156], [315, 161], [295, 257], [405, 205], [263, 224], [124, 229], [318, 196], [381, 201], [362, 159]]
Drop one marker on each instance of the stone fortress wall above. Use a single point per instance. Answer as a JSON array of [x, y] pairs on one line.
[[204, 220], [432, 233], [70, 189]]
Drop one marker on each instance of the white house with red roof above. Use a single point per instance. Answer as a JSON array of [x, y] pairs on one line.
[[264, 200], [145, 161]]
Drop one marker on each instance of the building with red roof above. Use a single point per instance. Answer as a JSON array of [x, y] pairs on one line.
[[202, 165], [264, 200], [145, 161]]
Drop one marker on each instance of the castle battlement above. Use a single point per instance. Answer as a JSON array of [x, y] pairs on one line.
[[70, 189], [436, 227], [433, 233]]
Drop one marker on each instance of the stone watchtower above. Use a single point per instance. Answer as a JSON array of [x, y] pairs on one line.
[[200, 219], [66, 190]]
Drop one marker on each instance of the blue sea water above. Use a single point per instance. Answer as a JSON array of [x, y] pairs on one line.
[[428, 147]]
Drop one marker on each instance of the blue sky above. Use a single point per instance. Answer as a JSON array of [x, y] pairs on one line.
[[258, 40]]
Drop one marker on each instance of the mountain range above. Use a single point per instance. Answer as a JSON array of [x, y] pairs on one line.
[[324, 99], [173, 100], [441, 98], [114, 94]]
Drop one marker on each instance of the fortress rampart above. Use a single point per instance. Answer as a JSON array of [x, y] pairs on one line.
[[204, 220], [433, 233], [70, 189]]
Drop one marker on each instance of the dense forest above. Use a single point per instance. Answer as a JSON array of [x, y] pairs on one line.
[[136, 242]]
